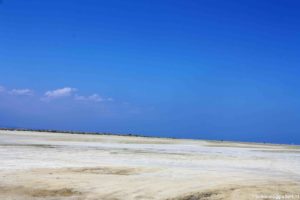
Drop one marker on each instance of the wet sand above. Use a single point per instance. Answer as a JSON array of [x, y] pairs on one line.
[[37, 165]]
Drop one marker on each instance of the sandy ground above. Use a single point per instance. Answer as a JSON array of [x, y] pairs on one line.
[[75, 167]]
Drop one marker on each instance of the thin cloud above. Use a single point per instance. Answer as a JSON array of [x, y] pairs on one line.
[[59, 93], [21, 92], [2, 89], [93, 98]]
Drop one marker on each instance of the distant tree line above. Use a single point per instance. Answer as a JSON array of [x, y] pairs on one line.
[[73, 132]]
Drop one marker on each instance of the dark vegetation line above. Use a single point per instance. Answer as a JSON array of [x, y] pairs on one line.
[[129, 134], [78, 132]]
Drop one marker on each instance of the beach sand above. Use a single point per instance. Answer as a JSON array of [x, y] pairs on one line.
[[54, 166]]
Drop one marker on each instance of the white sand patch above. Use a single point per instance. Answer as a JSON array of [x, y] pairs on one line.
[[72, 166]]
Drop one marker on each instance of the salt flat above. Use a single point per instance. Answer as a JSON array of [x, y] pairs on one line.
[[36, 165]]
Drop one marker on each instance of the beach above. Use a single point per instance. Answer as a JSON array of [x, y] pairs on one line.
[[43, 165]]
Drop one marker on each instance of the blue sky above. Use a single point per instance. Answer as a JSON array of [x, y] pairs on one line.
[[206, 69]]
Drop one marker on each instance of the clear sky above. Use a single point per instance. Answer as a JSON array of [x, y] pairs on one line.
[[209, 69]]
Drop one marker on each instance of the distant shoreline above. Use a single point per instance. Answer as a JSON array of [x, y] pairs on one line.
[[76, 132], [135, 135]]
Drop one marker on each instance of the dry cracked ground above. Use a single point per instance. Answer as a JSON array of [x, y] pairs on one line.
[[94, 167]]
